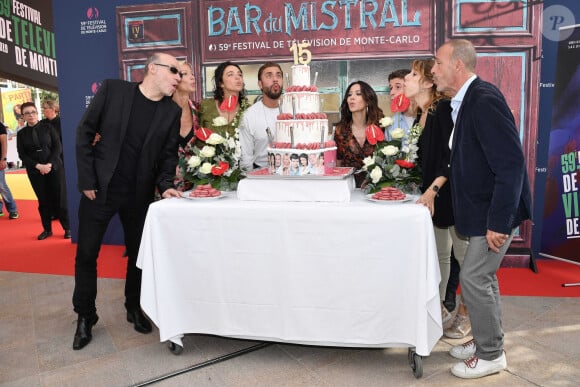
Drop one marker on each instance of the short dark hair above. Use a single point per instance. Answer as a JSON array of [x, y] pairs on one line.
[[265, 66], [27, 104], [400, 73]]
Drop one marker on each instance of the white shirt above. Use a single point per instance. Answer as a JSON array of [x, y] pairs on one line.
[[253, 136], [456, 104]]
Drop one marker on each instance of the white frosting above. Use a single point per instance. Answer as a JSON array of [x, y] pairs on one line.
[[300, 75], [305, 131], [305, 102]]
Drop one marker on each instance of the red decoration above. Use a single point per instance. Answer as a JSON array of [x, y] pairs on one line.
[[405, 164], [203, 134], [400, 103], [229, 103], [374, 134], [221, 169]]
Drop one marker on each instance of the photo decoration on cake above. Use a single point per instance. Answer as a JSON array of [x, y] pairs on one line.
[[211, 158], [393, 164]]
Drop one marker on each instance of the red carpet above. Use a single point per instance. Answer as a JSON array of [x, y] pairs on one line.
[[22, 252]]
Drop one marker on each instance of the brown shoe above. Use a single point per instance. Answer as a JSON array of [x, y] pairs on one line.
[[461, 327]]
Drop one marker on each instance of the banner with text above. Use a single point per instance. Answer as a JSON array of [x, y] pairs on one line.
[[561, 229], [365, 29], [27, 47]]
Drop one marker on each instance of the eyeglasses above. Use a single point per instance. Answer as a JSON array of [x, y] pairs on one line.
[[29, 113], [174, 70]]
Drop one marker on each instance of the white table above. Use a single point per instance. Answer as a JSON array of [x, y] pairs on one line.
[[358, 274]]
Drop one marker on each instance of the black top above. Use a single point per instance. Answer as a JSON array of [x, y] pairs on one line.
[[39, 144], [434, 159], [142, 112]]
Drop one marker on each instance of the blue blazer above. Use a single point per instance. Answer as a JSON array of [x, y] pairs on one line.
[[489, 183]]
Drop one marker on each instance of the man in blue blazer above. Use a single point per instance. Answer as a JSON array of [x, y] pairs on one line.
[[490, 194], [126, 145]]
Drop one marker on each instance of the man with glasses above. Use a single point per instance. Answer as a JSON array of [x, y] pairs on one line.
[[138, 130]]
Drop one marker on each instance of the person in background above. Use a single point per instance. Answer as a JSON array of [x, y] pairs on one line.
[[260, 118], [7, 198], [359, 109], [228, 83], [435, 118], [50, 112], [139, 126], [40, 150], [189, 118], [490, 194], [403, 120]]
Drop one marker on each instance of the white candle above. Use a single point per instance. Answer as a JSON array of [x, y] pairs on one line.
[[315, 78]]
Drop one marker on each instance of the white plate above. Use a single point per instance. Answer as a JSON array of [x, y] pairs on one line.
[[408, 198], [186, 196]]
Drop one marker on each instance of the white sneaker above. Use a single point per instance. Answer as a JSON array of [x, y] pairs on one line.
[[463, 351], [474, 367]]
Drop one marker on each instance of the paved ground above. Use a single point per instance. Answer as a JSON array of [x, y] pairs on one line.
[[37, 326]]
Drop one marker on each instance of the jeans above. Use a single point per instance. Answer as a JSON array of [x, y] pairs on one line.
[[6, 194]]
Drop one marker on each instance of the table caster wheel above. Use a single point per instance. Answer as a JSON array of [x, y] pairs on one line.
[[416, 363], [175, 349]]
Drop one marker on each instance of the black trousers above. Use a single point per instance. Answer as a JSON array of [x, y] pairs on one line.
[[94, 218], [50, 191]]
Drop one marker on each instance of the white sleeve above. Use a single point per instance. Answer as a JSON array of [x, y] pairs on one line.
[[246, 144]]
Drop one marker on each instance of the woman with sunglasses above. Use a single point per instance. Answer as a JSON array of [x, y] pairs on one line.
[[223, 112], [40, 150]]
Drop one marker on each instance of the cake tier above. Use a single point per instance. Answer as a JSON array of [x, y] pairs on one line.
[[301, 102], [300, 75], [298, 162], [302, 131]]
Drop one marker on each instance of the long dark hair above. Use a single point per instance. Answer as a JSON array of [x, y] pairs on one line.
[[374, 112], [218, 91]]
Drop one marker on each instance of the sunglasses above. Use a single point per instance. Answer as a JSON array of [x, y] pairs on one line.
[[174, 70]]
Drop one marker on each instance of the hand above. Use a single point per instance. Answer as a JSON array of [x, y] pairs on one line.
[[3, 165], [91, 194], [495, 240], [428, 201], [171, 193]]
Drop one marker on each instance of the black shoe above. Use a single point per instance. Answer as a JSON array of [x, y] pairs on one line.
[[45, 234], [66, 234], [140, 322], [83, 334]]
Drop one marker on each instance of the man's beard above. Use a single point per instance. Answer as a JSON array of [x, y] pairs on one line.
[[272, 95]]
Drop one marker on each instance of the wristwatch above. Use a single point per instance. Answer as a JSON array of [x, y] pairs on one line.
[[435, 188]]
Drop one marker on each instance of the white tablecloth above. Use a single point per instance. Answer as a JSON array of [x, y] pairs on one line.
[[289, 190], [358, 274]]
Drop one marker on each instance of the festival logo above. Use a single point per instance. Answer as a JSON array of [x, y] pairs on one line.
[[93, 25], [92, 13], [94, 88]]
